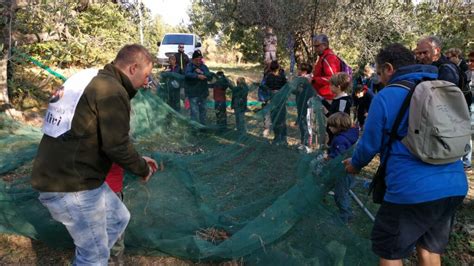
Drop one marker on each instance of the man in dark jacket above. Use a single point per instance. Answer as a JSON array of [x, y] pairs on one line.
[[70, 169], [182, 59], [428, 52], [195, 87]]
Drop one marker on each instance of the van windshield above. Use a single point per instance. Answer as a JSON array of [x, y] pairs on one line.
[[177, 39]]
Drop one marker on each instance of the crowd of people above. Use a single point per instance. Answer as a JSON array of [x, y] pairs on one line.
[[72, 171], [193, 76], [420, 198], [427, 194]]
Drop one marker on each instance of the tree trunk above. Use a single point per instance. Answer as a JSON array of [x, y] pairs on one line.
[[4, 100], [4, 54]]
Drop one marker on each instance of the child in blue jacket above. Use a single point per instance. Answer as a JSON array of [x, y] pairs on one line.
[[345, 135]]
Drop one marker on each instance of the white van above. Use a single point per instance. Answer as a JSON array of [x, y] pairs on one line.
[[169, 45]]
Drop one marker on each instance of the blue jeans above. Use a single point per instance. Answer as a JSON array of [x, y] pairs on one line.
[[240, 120], [94, 218], [198, 109], [267, 120], [117, 251], [342, 197]]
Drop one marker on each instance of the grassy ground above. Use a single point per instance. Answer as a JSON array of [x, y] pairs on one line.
[[18, 250], [252, 72]]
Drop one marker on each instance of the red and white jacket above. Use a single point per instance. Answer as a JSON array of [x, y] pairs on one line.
[[327, 65]]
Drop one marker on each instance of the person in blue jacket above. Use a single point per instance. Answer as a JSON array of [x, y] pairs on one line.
[[196, 88], [421, 198], [345, 135]]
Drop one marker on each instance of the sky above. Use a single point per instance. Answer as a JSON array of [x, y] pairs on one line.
[[172, 11]]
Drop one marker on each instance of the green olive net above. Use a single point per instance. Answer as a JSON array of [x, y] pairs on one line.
[[223, 195]]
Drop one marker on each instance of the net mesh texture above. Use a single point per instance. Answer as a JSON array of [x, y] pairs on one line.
[[223, 195]]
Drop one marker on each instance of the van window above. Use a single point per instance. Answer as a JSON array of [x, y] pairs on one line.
[[177, 39]]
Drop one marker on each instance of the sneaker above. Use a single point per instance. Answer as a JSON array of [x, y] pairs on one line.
[[331, 193]]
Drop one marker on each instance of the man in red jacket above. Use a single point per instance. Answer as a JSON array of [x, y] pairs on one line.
[[327, 65]]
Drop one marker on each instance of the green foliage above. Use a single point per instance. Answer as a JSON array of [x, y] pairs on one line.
[[25, 93], [101, 38], [357, 29], [77, 36], [451, 21], [88, 36], [366, 28]]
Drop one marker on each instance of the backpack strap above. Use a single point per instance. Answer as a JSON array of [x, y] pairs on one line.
[[323, 60], [410, 86]]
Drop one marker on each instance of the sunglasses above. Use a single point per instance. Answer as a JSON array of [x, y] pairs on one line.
[[180, 47]]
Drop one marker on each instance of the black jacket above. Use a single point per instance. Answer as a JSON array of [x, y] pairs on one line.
[[447, 70], [275, 82], [339, 104], [182, 60]]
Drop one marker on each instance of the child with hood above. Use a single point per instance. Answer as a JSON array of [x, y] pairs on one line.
[[345, 135]]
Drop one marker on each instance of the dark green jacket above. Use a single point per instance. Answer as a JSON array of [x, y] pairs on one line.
[[239, 96], [81, 158]]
